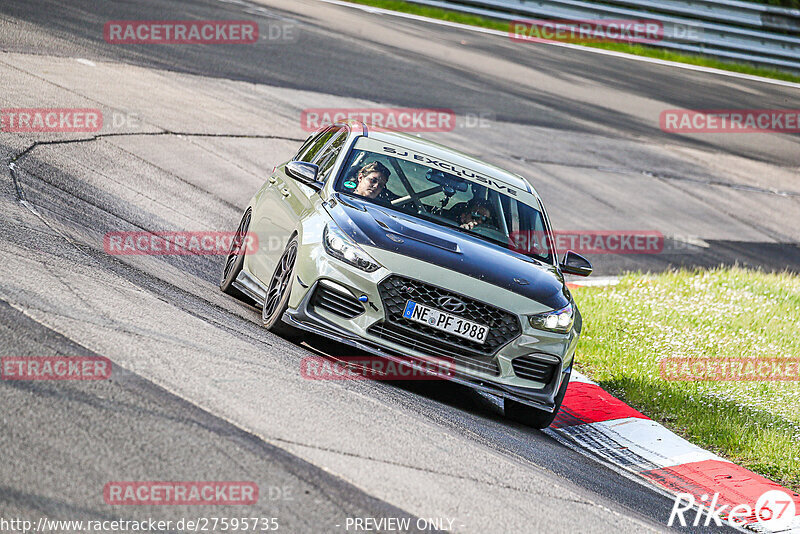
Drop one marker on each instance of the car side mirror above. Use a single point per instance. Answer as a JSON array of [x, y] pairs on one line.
[[574, 263], [305, 172]]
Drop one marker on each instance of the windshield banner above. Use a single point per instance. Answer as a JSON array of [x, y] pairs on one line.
[[394, 151]]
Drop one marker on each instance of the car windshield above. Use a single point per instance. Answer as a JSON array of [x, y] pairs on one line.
[[460, 199]]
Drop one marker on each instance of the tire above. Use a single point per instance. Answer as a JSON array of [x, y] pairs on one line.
[[235, 260], [280, 287], [530, 416]]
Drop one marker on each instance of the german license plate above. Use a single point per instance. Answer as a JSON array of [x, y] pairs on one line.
[[445, 321]]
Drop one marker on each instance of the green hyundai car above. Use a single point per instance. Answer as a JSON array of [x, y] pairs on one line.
[[415, 253]]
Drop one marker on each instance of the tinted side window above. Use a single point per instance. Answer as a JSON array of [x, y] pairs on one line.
[[316, 144], [307, 143], [327, 157]]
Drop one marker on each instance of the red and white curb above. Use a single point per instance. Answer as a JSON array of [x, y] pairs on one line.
[[594, 281], [596, 421]]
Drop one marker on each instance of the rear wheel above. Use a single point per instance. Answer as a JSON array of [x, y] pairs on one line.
[[235, 260], [277, 299], [530, 416]]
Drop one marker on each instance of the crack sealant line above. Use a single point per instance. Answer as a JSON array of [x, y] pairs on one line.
[[17, 188], [154, 134], [14, 159]]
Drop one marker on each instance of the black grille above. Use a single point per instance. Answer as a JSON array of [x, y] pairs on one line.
[[433, 347], [531, 368], [396, 290], [336, 302]]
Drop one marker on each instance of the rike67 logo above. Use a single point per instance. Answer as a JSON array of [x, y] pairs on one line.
[[775, 511]]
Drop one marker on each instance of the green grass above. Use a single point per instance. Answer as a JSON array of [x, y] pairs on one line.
[[639, 50], [630, 327]]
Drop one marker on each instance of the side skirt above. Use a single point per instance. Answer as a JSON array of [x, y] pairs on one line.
[[250, 286]]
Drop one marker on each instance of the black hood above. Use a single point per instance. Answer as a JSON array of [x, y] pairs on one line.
[[371, 225]]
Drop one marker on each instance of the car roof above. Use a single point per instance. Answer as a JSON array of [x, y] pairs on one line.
[[430, 148]]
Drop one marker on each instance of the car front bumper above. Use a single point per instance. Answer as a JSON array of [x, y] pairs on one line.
[[315, 269]]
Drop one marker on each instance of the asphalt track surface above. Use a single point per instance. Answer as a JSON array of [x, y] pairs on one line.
[[200, 391]]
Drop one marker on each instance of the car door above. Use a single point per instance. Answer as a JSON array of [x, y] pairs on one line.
[[280, 204]]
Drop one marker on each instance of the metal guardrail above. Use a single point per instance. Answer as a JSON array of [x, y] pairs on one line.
[[725, 11], [726, 29]]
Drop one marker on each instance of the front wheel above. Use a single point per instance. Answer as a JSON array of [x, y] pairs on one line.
[[530, 416], [280, 287]]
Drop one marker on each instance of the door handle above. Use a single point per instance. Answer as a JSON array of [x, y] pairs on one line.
[[285, 192], [273, 180]]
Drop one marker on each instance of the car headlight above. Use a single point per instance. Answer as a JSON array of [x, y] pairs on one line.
[[555, 321], [338, 245]]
